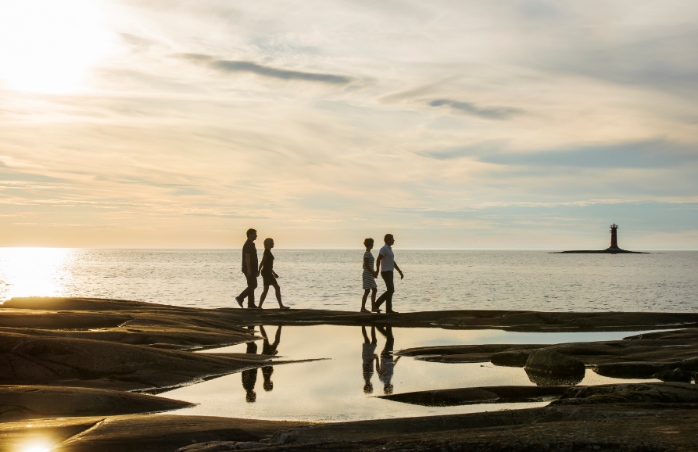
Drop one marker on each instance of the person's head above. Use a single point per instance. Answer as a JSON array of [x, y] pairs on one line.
[[268, 385], [368, 243], [368, 388], [268, 243], [250, 396], [252, 234], [389, 239], [388, 388]]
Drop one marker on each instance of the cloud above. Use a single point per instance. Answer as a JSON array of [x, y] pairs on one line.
[[499, 113], [233, 66], [474, 150], [638, 154]]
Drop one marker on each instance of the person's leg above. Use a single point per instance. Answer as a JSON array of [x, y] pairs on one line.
[[240, 298], [363, 331], [277, 289], [383, 296], [390, 286], [363, 300], [387, 296], [374, 291], [251, 286], [264, 295]]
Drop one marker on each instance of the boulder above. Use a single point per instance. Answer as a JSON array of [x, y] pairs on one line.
[[675, 375], [548, 367]]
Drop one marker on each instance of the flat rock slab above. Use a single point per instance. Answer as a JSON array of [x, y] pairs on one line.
[[645, 393], [140, 433], [38, 402], [507, 320], [89, 363], [486, 394], [551, 428]]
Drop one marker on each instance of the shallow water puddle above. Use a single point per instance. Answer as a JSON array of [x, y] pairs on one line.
[[343, 387]]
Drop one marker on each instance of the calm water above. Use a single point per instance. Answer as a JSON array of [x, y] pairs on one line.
[[341, 389], [434, 280]]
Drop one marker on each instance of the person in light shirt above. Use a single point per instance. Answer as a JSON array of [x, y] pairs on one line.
[[386, 259]]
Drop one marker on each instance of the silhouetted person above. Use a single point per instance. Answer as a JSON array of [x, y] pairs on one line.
[[369, 277], [266, 269], [249, 268], [386, 258], [387, 363], [368, 356], [269, 350], [249, 376]]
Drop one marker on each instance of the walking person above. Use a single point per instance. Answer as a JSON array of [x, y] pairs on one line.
[[368, 357], [266, 269], [369, 277], [269, 350], [249, 268], [386, 258], [386, 367], [249, 376]]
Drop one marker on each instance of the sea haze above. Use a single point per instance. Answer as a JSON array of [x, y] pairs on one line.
[[331, 279]]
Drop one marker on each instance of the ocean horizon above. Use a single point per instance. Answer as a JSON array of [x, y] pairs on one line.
[[544, 280]]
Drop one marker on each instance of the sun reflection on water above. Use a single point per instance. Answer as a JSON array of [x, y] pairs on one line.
[[28, 272]]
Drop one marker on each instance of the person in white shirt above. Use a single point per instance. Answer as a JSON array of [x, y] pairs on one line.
[[386, 258]]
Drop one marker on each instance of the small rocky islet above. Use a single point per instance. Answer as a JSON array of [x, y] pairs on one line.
[[83, 374]]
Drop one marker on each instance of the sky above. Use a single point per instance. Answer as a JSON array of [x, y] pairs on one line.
[[518, 124]]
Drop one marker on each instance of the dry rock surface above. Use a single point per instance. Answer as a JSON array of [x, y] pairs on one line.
[[73, 373]]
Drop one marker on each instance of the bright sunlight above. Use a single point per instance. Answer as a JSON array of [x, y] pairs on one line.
[[50, 46]]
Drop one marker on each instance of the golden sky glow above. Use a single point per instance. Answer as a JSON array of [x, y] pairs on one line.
[[52, 45], [524, 124]]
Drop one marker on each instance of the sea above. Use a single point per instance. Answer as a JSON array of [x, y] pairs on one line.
[[434, 280]]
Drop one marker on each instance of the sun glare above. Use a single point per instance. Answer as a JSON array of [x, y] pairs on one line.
[[26, 272], [51, 45]]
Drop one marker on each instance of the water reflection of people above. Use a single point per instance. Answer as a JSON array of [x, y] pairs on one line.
[[387, 363], [269, 350], [249, 376], [368, 355]]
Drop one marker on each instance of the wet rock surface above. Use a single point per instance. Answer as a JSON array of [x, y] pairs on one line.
[[488, 394], [73, 345], [36, 402]]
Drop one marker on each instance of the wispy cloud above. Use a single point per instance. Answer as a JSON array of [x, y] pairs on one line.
[[469, 108], [640, 154], [233, 66]]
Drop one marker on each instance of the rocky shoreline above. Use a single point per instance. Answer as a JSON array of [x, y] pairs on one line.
[[84, 371]]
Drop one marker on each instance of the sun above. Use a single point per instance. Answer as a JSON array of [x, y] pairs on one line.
[[51, 45]]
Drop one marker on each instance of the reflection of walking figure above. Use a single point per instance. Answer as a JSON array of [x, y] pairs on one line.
[[249, 376], [368, 355], [269, 350], [387, 259], [266, 269], [387, 364], [369, 277]]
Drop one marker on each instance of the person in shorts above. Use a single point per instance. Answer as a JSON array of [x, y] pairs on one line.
[[266, 269], [369, 277]]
